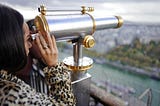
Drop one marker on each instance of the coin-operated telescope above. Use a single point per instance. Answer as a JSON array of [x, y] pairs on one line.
[[79, 29]]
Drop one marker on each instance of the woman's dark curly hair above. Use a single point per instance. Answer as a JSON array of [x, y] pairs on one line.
[[12, 50]]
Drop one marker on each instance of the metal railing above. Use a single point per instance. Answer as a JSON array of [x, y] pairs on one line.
[[147, 92]]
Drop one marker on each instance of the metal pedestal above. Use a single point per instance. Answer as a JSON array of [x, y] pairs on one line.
[[81, 89]]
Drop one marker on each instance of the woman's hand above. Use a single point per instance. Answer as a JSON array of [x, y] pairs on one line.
[[48, 48]]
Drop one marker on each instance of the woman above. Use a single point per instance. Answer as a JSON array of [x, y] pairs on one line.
[[15, 42]]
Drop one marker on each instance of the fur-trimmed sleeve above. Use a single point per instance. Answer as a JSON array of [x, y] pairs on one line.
[[14, 91], [59, 80]]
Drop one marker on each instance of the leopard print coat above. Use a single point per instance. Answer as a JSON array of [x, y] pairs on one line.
[[15, 92]]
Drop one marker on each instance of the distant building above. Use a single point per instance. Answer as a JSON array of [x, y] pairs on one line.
[[147, 39]]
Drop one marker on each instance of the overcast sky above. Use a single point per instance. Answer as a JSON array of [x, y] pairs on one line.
[[131, 10]]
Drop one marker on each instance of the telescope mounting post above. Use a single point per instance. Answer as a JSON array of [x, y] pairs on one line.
[[77, 63], [80, 78]]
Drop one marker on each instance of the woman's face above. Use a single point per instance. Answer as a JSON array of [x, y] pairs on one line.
[[27, 38]]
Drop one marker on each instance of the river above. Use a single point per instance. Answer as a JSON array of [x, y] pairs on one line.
[[125, 78]]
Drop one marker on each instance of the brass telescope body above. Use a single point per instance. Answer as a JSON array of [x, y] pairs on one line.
[[74, 27], [71, 26]]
